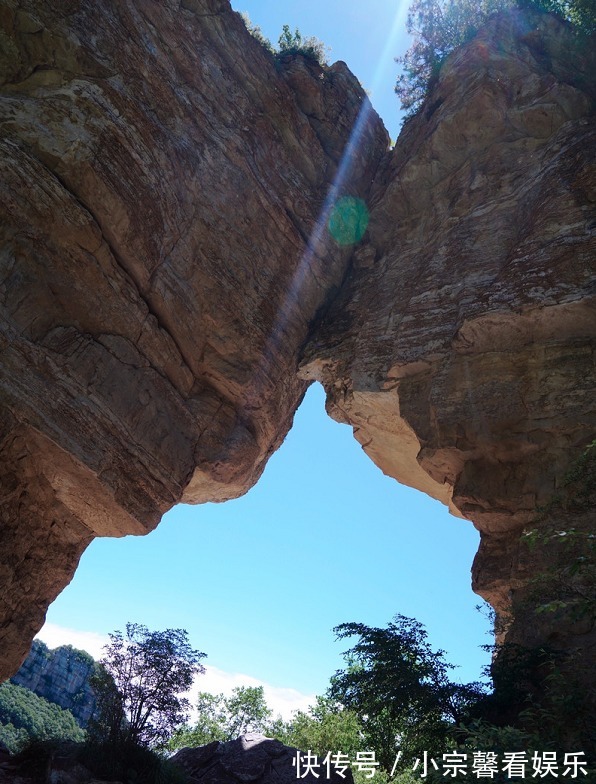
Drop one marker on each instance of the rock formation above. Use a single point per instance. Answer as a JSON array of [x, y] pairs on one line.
[[161, 181], [169, 287], [61, 676], [250, 758], [461, 348]]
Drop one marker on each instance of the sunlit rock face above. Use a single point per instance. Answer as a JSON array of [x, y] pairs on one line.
[[161, 180], [168, 290], [461, 348]]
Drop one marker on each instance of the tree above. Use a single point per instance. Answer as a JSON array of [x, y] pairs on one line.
[[440, 26], [225, 718], [325, 726], [289, 43], [144, 673], [400, 689], [24, 717]]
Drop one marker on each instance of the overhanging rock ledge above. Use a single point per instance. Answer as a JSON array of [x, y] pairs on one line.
[[167, 292]]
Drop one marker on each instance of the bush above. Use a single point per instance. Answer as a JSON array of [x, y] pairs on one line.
[[294, 43], [129, 763], [289, 43]]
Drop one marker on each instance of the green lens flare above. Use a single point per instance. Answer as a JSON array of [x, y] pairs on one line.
[[348, 220]]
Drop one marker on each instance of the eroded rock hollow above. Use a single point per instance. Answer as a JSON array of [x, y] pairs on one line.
[[169, 286]]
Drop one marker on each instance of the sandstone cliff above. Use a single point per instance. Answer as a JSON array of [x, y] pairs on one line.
[[461, 348], [169, 287], [161, 268]]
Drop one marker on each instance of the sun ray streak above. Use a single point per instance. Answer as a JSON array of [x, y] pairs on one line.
[[319, 234]]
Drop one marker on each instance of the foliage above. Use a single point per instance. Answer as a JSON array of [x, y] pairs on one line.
[[294, 43], [257, 33], [440, 26], [568, 585], [129, 763], [577, 492], [139, 688], [24, 716], [563, 714], [400, 689], [126, 762], [580, 13], [289, 43], [325, 726], [225, 718]]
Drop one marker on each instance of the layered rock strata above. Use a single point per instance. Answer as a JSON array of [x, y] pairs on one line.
[[165, 268], [461, 348], [161, 266]]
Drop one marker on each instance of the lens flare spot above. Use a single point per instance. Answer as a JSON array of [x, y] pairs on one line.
[[348, 220]]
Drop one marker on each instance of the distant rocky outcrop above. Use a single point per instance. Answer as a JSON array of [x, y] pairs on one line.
[[168, 286], [61, 676], [251, 758]]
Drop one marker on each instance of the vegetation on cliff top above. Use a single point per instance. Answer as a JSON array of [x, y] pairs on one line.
[[289, 43], [440, 26]]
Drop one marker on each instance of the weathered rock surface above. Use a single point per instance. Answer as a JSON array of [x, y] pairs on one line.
[[250, 758], [61, 676], [163, 272], [160, 186], [461, 348]]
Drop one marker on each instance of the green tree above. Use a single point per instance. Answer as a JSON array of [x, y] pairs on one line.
[[440, 26], [295, 43], [325, 726], [25, 717], [225, 718], [400, 690], [289, 42], [144, 674]]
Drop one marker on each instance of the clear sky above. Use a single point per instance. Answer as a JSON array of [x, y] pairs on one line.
[[366, 35], [325, 537]]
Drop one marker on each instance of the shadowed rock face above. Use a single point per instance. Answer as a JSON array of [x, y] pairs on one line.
[[160, 183], [251, 758], [461, 348], [164, 271]]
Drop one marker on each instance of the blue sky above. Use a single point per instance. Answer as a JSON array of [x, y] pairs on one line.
[[324, 538], [366, 35], [260, 582]]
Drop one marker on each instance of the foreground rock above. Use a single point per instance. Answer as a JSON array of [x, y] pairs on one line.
[[249, 758], [165, 268]]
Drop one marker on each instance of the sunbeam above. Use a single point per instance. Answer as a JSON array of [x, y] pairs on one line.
[[343, 216]]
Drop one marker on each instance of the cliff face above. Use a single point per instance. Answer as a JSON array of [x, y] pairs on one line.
[[161, 181], [165, 270], [60, 676], [461, 348]]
